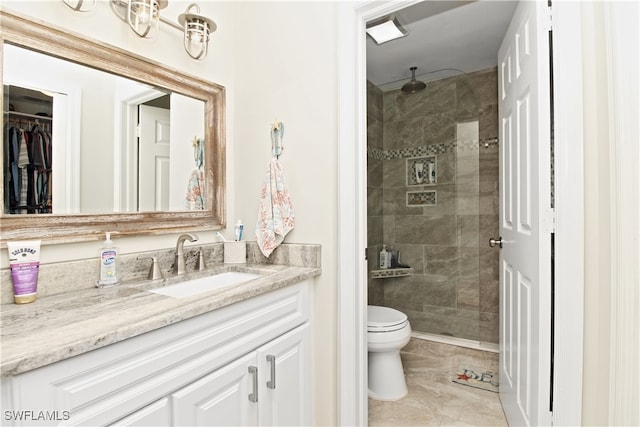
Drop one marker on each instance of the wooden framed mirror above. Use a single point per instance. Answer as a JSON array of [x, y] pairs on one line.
[[62, 225]]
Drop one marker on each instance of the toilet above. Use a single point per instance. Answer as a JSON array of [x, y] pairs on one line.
[[388, 330]]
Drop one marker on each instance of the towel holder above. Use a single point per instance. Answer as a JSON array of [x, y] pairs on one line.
[[277, 132]]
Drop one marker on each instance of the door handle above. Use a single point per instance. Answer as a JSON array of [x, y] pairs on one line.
[[253, 397], [272, 382], [493, 242]]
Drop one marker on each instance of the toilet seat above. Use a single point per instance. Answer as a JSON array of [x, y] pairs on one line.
[[384, 319]]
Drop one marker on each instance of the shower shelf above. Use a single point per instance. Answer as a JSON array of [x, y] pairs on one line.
[[391, 272]]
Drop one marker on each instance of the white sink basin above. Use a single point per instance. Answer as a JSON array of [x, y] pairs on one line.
[[205, 284]]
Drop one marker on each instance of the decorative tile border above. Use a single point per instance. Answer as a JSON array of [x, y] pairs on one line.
[[421, 198], [429, 150]]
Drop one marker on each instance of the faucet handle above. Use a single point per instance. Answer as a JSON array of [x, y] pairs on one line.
[[201, 265], [154, 272]]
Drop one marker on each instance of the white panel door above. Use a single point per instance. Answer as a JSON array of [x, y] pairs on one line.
[[285, 380], [525, 262], [156, 414], [220, 398], [154, 149]]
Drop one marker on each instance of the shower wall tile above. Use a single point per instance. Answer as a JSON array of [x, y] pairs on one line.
[[446, 203], [389, 229], [489, 264], [489, 327], [394, 200], [439, 291], [374, 201], [467, 166], [488, 197], [488, 227], [489, 162], [468, 226], [374, 172], [417, 229], [467, 198], [374, 185], [411, 255], [439, 128], [468, 296], [485, 83], [467, 104], [441, 96], [402, 133], [393, 173], [405, 293], [446, 168], [441, 260], [374, 230], [468, 260], [490, 296], [488, 121]]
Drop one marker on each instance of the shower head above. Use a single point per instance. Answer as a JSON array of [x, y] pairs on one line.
[[414, 85]]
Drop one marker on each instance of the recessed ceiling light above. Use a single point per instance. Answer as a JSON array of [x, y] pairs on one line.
[[385, 29]]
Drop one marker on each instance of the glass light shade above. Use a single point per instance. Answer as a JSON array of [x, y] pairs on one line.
[[143, 17], [197, 30]]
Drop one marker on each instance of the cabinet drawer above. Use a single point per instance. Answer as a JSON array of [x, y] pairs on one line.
[[103, 385]]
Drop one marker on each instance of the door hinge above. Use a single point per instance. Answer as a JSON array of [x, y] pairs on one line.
[[549, 221], [549, 18], [138, 130], [366, 257]]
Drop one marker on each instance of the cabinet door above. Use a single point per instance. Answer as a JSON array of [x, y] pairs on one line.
[[156, 414], [220, 398], [285, 378]]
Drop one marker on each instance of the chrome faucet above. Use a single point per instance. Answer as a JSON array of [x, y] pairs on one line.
[[179, 264]]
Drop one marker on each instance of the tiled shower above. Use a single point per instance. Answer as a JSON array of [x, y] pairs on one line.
[[440, 228]]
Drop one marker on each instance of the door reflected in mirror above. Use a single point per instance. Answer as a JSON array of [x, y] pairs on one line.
[[78, 140]]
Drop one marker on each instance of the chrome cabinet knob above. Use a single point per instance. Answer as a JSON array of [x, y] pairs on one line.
[[493, 242]]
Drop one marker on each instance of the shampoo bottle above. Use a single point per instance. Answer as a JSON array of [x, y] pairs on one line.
[[383, 257], [108, 264]]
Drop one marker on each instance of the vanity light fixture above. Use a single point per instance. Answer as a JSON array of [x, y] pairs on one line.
[[385, 29], [143, 17], [197, 30], [80, 5]]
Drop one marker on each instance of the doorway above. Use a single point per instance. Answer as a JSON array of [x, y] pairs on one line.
[[352, 21]]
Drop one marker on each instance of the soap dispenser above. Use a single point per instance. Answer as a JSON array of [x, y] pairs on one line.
[[108, 263]]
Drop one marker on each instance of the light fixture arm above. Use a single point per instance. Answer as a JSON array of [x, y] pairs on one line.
[[196, 27]]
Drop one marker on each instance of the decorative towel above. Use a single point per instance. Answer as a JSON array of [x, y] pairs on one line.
[[275, 215], [194, 200]]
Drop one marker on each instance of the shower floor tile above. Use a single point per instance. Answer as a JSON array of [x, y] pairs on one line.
[[433, 399]]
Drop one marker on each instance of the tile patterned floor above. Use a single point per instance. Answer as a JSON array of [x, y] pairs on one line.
[[434, 400]]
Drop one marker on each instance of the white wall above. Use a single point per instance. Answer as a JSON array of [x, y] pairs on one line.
[[287, 71], [611, 343]]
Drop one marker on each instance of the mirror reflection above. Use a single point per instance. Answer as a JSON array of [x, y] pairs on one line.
[[78, 140]]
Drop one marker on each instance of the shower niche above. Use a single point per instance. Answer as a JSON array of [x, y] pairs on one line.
[[422, 170]]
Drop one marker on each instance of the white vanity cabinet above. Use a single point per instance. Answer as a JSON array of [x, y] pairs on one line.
[[264, 388], [217, 368]]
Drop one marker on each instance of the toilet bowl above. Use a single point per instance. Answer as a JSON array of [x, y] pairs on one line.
[[388, 330]]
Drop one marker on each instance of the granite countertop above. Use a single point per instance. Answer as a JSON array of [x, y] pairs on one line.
[[61, 326]]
